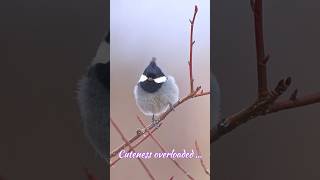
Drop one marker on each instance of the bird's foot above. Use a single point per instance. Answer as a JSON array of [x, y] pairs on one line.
[[156, 122], [171, 107]]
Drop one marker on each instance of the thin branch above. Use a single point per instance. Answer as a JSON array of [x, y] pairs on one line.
[[126, 141], [298, 102], [258, 108], [255, 110], [261, 58], [202, 94], [191, 47], [164, 150], [115, 161], [133, 146], [206, 170]]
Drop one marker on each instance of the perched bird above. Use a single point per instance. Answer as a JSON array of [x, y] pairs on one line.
[[155, 92], [93, 99]]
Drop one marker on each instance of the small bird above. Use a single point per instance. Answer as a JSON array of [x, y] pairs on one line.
[[155, 92], [93, 99]]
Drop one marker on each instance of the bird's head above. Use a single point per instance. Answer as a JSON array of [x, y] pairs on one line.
[[152, 78]]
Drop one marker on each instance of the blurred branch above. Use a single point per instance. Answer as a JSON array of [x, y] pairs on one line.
[[297, 102], [164, 150], [126, 141], [266, 100], [256, 7], [206, 170]]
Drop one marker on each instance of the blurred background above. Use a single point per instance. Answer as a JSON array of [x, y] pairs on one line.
[[144, 29], [284, 145], [45, 47]]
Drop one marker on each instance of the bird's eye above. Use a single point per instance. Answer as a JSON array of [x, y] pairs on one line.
[[161, 79], [143, 78]]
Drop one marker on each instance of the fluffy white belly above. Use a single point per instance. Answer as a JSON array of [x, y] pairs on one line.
[[157, 102]]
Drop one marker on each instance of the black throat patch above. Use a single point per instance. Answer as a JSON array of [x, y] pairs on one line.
[[152, 71]]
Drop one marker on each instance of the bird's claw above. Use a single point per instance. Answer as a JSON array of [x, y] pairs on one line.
[[156, 123], [171, 107]]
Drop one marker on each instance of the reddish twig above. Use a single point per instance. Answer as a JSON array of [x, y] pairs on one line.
[[206, 170], [133, 146], [191, 47], [193, 94], [202, 94], [266, 101], [164, 150], [261, 58], [297, 102], [171, 178], [126, 141]]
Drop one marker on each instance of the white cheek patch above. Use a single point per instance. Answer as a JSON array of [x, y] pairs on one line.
[[143, 78], [161, 79]]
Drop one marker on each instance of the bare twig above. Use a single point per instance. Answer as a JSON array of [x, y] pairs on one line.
[[193, 94], [260, 107], [266, 101], [133, 146], [298, 102], [191, 47], [164, 150], [202, 94], [126, 141], [261, 58], [206, 170]]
